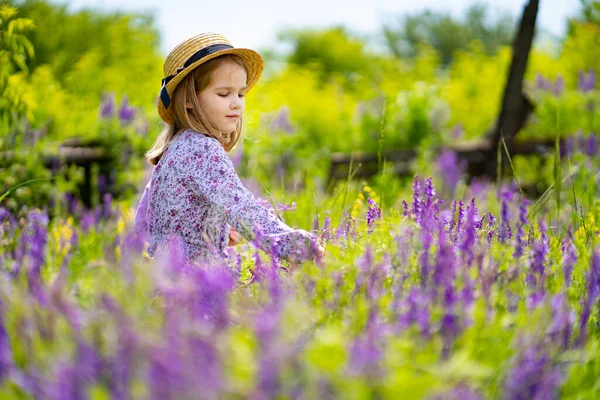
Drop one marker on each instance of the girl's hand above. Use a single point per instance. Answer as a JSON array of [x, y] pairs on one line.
[[234, 237], [316, 253], [320, 251]]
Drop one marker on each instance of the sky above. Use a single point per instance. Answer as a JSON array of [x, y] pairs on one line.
[[255, 23]]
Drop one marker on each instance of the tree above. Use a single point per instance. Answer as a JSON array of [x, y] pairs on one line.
[[332, 50], [591, 11], [15, 50], [446, 34]]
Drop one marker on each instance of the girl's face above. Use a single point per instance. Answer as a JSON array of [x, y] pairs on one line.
[[223, 101]]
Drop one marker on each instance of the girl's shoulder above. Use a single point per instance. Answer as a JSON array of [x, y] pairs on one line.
[[193, 138]]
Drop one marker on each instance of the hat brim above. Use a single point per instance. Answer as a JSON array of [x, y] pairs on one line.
[[252, 60]]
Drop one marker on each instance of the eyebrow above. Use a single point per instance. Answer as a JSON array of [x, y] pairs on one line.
[[230, 87]]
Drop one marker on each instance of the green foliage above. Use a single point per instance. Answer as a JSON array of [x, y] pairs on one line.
[[591, 11], [333, 51], [446, 34], [15, 50], [93, 52]]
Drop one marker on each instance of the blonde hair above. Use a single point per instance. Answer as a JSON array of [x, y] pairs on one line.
[[195, 119]]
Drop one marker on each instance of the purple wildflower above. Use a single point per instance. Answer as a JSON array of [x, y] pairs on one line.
[[450, 324], [563, 319], [504, 231], [460, 392], [365, 354], [587, 81], [107, 207], [347, 228], [107, 105], [593, 293], [452, 219], [445, 265], [417, 312], [569, 257], [567, 148], [406, 212], [373, 213], [429, 192], [460, 218], [417, 204], [5, 349], [126, 112], [269, 384], [35, 238], [520, 243], [451, 169], [282, 121], [559, 86], [316, 224], [469, 233], [427, 239], [542, 83], [536, 276], [591, 145], [533, 376], [457, 131], [67, 384], [210, 297], [32, 245]]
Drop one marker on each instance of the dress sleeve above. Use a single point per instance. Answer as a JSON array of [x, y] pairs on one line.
[[211, 174], [141, 213]]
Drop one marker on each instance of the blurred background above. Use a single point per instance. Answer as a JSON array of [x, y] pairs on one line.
[[80, 81]]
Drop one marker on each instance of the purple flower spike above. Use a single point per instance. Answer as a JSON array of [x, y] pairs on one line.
[[417, 312], [470, 233], [450, 169], [5, 349], [593, 292], [559, 86], [563, 319], [107, 106], [406, 212], [373, 214], [445, 266], [536, 277], [504, 230], [520, 242], [569, 257], [533, 376], [591, 145], [282, 122], [541, 83], [460, 392], [126, 112], [429, 192], [427, 239], [417, 204], [587, 81], [364, 354]]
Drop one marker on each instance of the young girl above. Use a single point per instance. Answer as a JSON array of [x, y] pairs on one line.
[[194, 194]]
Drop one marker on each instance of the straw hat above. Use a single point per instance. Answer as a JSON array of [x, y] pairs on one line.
[[192, 52]]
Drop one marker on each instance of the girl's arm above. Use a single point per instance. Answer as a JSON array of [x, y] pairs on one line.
[[141, 218], [212, 176]]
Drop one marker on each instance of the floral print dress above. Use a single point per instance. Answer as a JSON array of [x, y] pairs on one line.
[[195, 195]]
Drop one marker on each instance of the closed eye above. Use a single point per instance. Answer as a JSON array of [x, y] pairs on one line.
[[225, 95]]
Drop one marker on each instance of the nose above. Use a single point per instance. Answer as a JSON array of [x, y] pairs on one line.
[[236, 103]]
